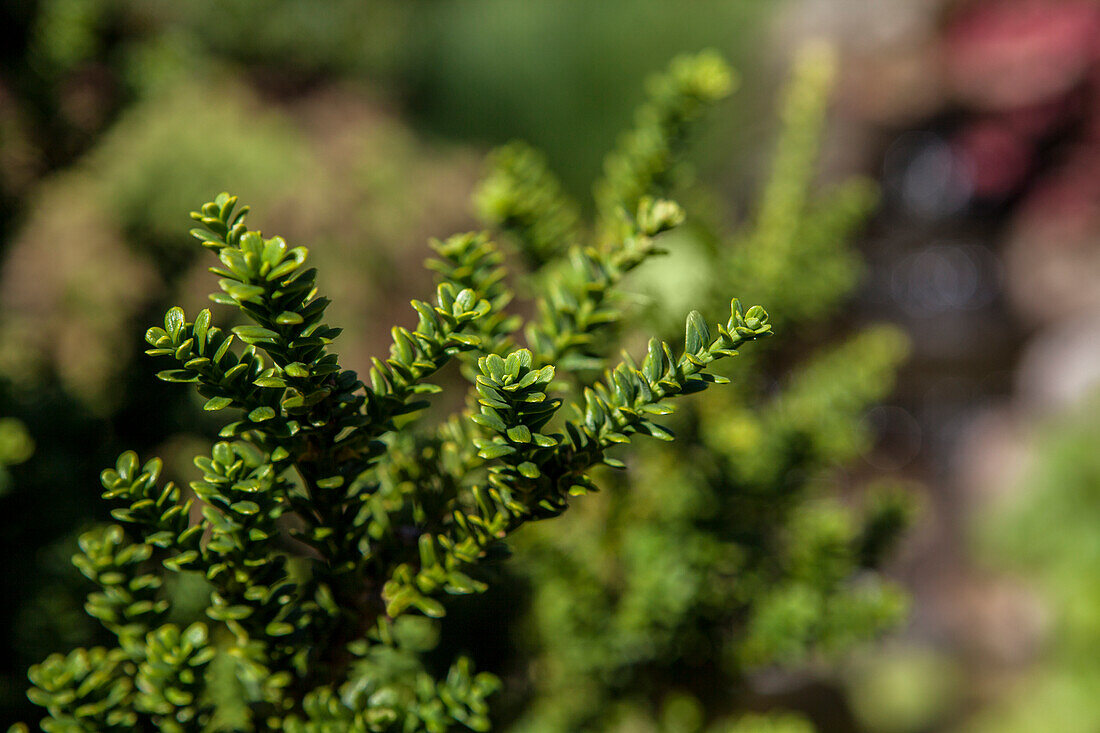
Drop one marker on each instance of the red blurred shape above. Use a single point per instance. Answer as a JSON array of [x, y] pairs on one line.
[[996, 157], [1012, 53]]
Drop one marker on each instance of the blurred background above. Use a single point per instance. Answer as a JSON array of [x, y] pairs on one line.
[[359, 129]]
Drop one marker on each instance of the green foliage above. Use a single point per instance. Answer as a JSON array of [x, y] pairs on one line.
[[97, 249], [726, 553], [1044, 530], [642, 163], [585, 69], [521, 197], [100, 244], [796, 248], [349, 38], [16, 446], [768, 724], [320, 545]]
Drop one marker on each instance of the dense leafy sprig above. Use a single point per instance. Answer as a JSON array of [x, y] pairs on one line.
[[730, 555], [324, 516], [522, 197], [329, 525], [532, 474], [644, 162], [581, 302], [473, 262]]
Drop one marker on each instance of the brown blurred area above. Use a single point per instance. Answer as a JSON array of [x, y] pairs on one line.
[[981, 119]]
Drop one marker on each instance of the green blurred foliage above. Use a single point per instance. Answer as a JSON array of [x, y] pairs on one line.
[[477, 66], [904, 688], [16, 446], [347, 38], [730, 552], [735, 555], [1044, 531], [465, 69], [98, 247], [94, 249], [311, 553], [105, 107]]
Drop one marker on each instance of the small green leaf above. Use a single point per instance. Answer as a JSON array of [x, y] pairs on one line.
[[242, 293], [288, 318], [286, 268], [178, 375], [519, 434], [173, 322], [235, 371], [544, 441], [495, 450], [430, 606], [225, 613], [697, 335], [261, 413], [255, 334], [464, 301], [223, 454], [202, 327], [491, 421], [465, 339], [297, 369], [217, 403], [223, 349], [245, 507], [278, 628], [511, 365], [155, 334], [654, 430], [493, 367]]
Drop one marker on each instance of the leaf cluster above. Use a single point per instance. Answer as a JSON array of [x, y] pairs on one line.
[[730, 552], [317, 541]]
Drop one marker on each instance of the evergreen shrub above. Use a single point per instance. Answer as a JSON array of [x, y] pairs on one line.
[[336, 515]]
